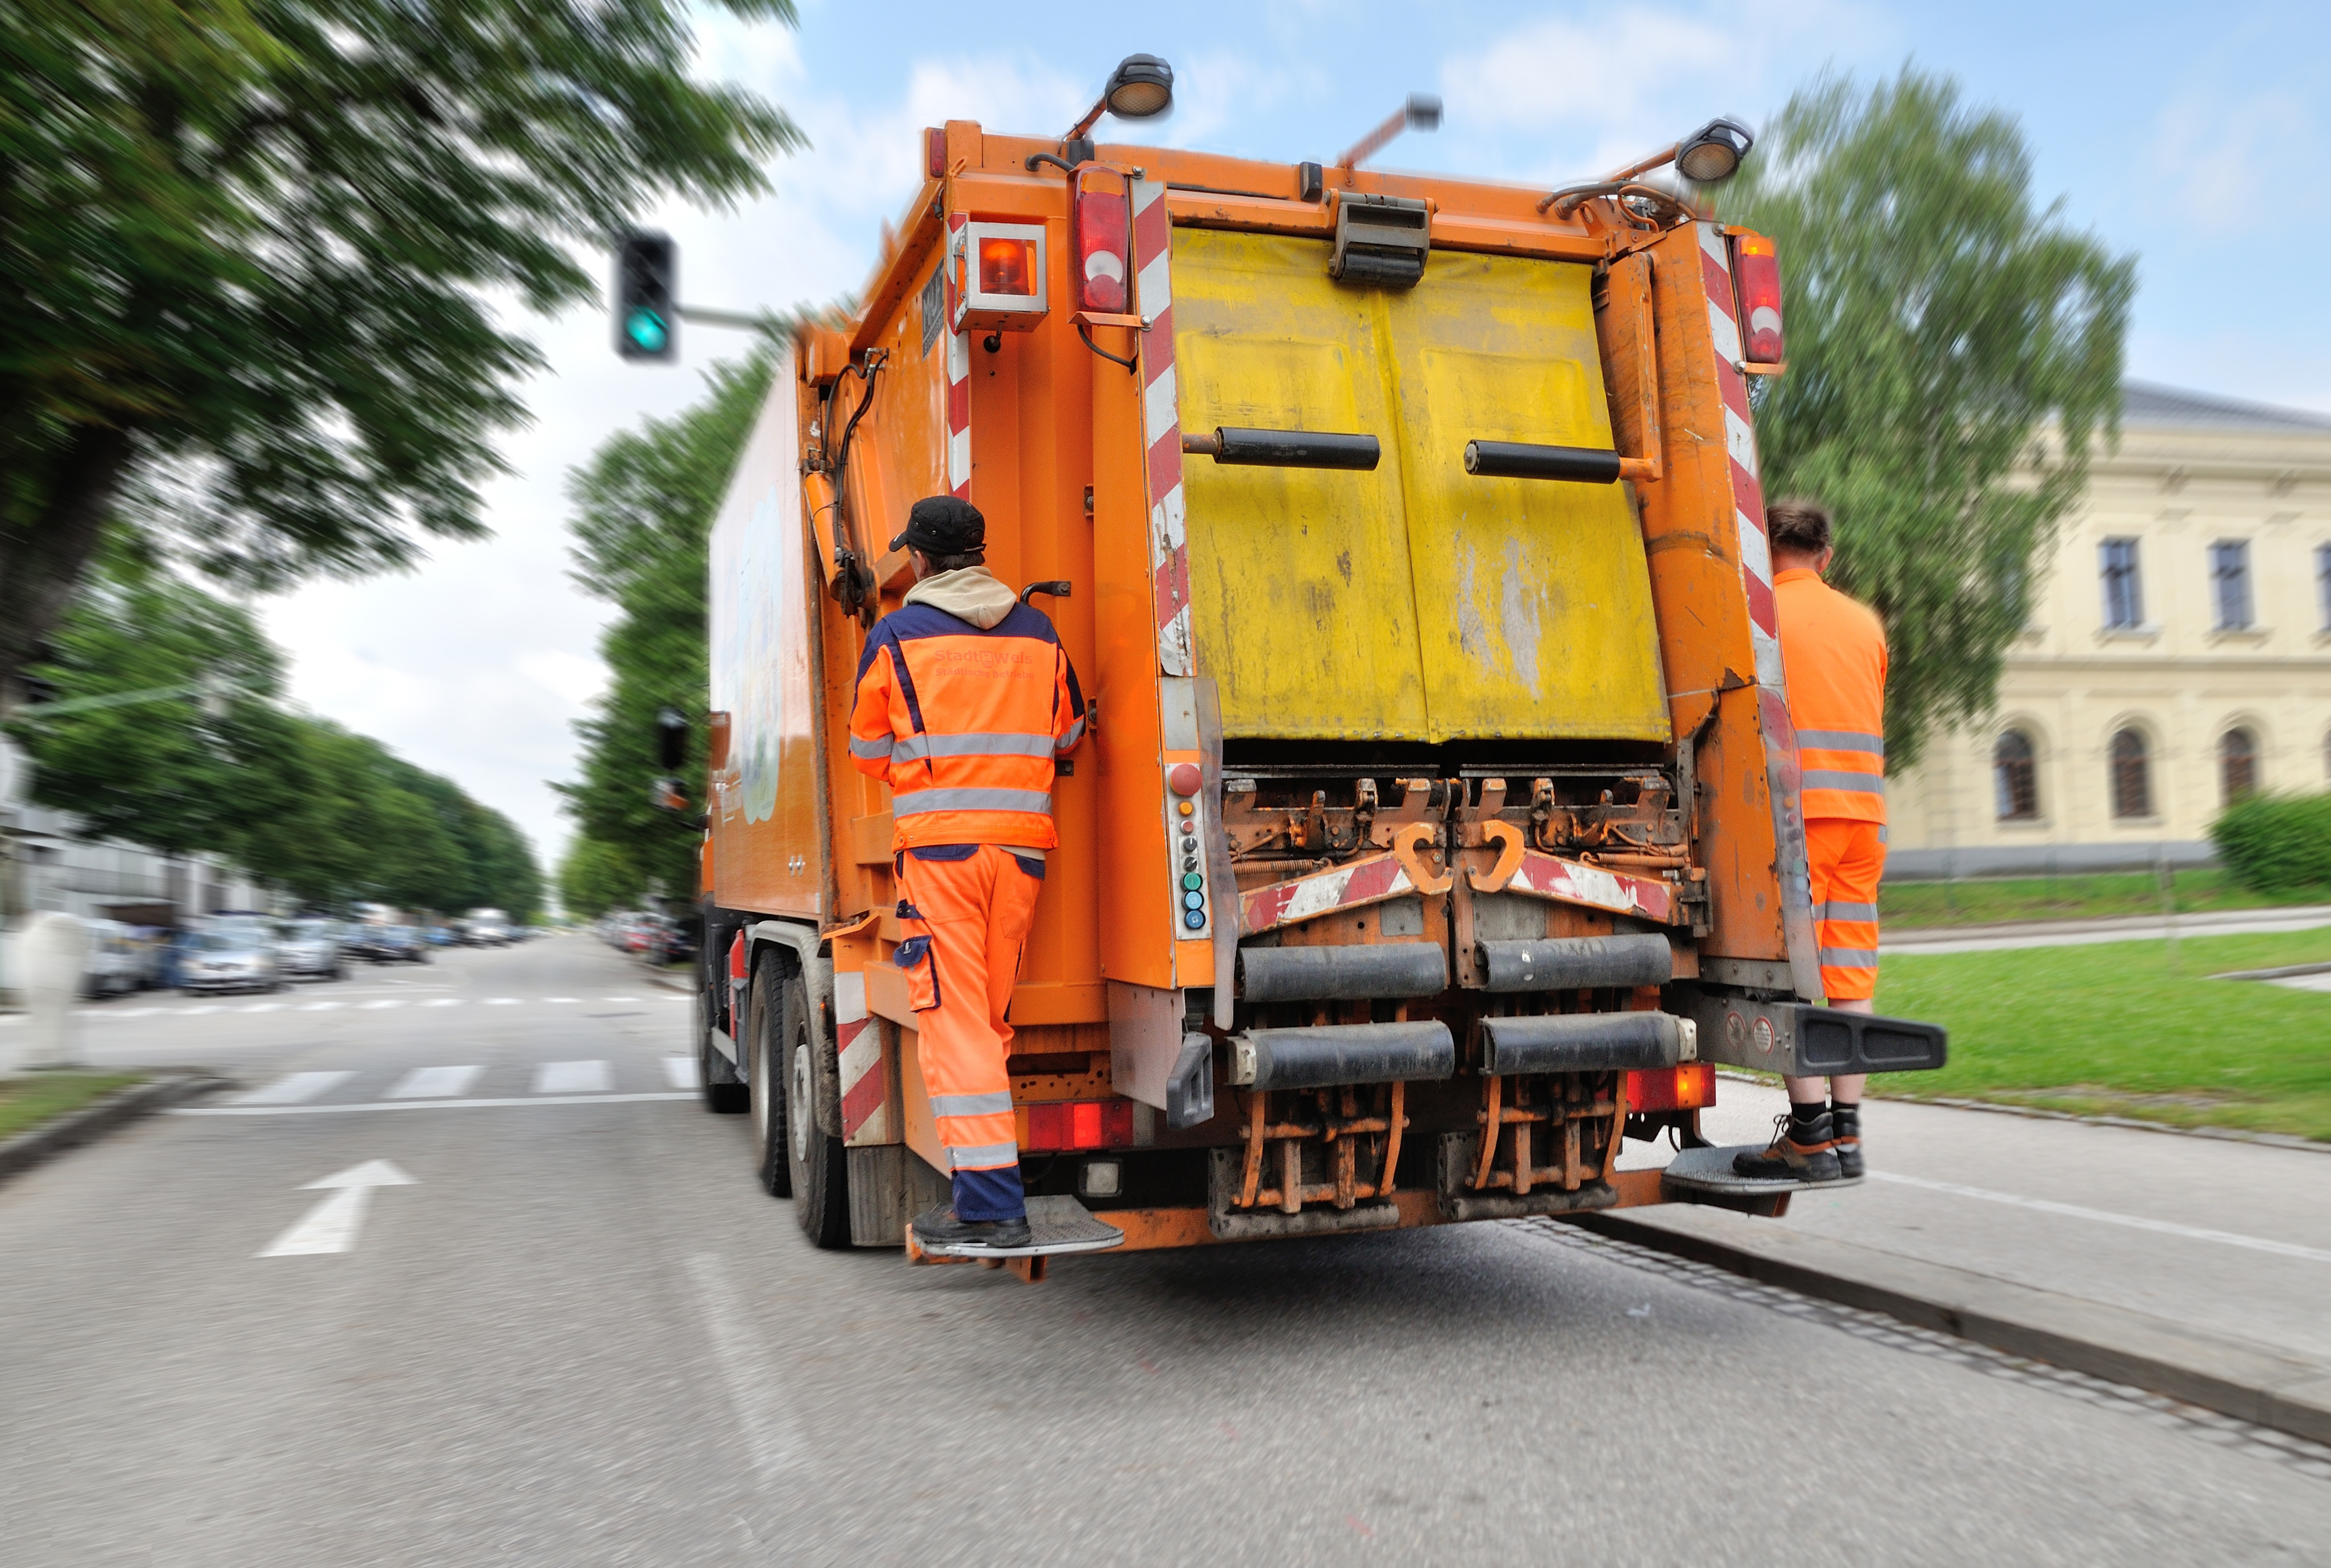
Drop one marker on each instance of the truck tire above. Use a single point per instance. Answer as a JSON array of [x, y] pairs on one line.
[[765, 1083], [819, 1165]]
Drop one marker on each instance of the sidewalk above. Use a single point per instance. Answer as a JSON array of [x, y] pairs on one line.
[[2116, 928]]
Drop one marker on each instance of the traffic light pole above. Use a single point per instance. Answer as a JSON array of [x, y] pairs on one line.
[[767, 325]]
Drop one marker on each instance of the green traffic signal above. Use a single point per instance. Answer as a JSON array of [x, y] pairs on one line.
[[646, 328]]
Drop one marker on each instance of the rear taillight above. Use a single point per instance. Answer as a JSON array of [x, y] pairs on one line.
[[1757, 265], [935, 153], [1101, 221], [1688, 1088], [1080, 1124]]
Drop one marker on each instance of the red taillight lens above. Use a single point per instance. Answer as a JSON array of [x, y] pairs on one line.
[[1688, 1088], [1101, 221], [1757, 265], [1008, 267], [935, 152], [1079, 1124]]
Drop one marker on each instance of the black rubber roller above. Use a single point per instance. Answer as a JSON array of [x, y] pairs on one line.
[[1332, 1053], [1577, 963], [1354, 972], [1585, 1042]]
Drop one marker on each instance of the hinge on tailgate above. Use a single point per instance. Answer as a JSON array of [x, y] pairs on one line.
[[1380, 240]]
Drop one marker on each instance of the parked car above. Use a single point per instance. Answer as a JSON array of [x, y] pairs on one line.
[[399, 945], [114, 961], [671, 941], [442, 937], [311, 949], [228, 961]]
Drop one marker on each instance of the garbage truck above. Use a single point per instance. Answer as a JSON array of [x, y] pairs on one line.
[[1437, 831]]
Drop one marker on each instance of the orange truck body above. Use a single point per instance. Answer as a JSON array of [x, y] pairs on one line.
[[1414, 716]]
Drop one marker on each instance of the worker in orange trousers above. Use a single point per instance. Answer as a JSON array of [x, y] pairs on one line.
[[965, 701], [1833, 659]]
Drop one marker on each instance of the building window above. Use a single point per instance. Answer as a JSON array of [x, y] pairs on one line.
[[2238, 763], [2230, 583], [2123, 592], [2323, 585], [2132, 776], [2015, 779]]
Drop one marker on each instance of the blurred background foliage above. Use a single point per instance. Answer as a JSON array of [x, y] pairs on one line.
[[299, 804], [1955, 357]]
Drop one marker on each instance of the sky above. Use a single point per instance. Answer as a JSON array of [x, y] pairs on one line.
[[2180, 133]]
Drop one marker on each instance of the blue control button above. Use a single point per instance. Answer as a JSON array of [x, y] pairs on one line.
[[1194, 919], [1193, 900]]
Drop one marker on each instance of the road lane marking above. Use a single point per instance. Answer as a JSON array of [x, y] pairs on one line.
[[333, 1224], [619, 999], [444, 1002], [263, 1007], [501, 1002], [573, 1078], [341, 1109], [391, 1001], [323, 1006], [2134, 1221], [197, 1011], [435, 1083], [680, 1071], [293, 1088], [772, 1434], [568, 1000]]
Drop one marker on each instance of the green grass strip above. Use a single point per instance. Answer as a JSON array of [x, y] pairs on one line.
[[27, 1101], [1908, 906], [2134, 1029]]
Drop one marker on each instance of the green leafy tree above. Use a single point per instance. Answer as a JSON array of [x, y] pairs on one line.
[[596, 877], [1954, 354], [644, 508], [246, 243]]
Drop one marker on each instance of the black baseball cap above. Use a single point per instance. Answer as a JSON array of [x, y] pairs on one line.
[[944, 526]]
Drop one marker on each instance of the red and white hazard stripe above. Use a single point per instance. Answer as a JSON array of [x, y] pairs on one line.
[[1592, 886], [864, 1102], [1301, 899], [958, 370], [1161, 415], [1781, 769]]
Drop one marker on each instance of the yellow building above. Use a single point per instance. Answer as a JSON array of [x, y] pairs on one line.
[[2178, 653]]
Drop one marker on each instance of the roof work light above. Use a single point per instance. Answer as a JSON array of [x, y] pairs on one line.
[[1140, 87], [1713, 152]]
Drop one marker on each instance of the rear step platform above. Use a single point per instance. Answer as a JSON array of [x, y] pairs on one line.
[[1710, 1171], [1059, 1226]]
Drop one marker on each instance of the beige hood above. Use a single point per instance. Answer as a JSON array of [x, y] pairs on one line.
[[969, 593]]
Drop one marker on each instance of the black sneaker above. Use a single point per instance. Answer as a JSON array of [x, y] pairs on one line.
[[1845, 1132], [1800, 1152], [937, 1230]]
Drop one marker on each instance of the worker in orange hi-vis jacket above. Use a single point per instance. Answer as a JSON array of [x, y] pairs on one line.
[[964, 700], [1834, 659]]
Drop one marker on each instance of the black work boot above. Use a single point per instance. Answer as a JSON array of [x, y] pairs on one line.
[[937, 1229], [1845, 1132], [1801, 1151]]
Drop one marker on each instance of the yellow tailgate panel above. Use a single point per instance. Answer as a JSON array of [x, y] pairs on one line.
[[1414, 603], [1298, 577]]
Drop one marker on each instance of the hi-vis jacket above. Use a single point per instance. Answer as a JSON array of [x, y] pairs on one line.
[[963, 720], [1834, 659]]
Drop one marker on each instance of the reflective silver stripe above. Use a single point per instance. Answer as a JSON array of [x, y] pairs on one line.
[[1859, 783], [915, 748], [915, 801], [1076, 733], [869, 748], [1836, 911], [982, 1156], [1849, 958], [971, 1105], [1843, 740]]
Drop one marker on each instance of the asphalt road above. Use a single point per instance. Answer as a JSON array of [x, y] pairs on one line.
[[581, 1335]]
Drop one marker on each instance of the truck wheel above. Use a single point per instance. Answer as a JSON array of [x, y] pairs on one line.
[[820, 1165], [766, 1082], [721, 1098]]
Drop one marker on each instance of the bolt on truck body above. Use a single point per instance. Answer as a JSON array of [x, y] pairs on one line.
[[1437, 827]]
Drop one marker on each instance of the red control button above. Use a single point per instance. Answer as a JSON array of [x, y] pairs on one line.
[[1183, 778]]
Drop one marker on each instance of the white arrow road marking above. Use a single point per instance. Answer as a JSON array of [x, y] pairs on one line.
[[434, 1083], [332, 1225], [292, 1088], [571, 1077], [680, 1071]]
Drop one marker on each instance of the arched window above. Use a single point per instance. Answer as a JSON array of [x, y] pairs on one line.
[[2132, 774], [2238, 763], [2014, 778]]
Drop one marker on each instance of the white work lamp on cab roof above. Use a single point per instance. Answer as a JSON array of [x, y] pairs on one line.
[[1140, 87]]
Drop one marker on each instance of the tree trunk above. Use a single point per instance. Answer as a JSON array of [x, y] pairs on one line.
[[39, 571]]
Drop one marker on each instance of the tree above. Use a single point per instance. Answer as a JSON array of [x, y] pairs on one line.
[[596, 877], [1954, 354], [644, 506], [245, 243]]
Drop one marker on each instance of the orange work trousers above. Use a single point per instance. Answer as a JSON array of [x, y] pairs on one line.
[[1847, 856], [966, 909]]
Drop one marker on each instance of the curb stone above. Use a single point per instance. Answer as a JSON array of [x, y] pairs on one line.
[[2255, 1382], [37, 1146]]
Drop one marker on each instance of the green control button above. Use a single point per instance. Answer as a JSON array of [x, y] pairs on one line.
[[1192, 881]]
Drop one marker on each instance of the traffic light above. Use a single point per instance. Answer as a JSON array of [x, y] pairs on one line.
[[647, 314]]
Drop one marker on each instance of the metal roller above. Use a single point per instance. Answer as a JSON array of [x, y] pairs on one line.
[[1351, 974], [1587, 1042], [1266, 1058], [1577, 963], [1287, 448], [1527, 460]]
